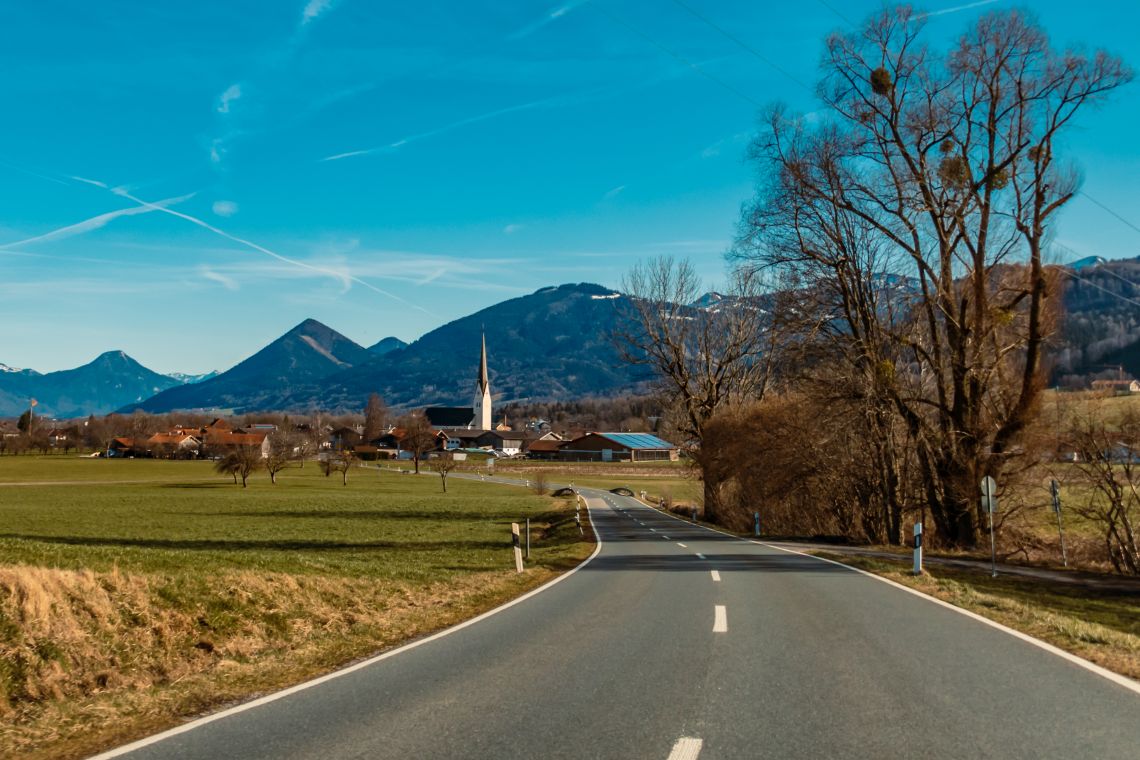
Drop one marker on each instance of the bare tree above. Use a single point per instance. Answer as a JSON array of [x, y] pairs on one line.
[[444, 464], [940, 172], [704, 357], [240, 462], [339, 461], [283, 452], [1107, 472], [375, 418], [418, 437]]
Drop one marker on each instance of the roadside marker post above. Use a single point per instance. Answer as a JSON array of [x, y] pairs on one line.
[[756, 523], [1055, 490], [918, 548], [990, 505], [694, 514], [528, 538], [515, 544]]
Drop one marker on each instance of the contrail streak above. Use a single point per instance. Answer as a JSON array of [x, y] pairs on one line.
[[342, 276], [95, 222], [955, 9]]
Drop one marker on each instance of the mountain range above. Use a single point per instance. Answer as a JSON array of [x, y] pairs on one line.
[[110, 381], [553, 343]]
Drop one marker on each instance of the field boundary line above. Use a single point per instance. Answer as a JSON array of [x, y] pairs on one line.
[[289, 691]]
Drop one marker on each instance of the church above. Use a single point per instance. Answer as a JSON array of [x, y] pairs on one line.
[[475, 417]]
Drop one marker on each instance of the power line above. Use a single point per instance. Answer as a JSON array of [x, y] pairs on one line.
[[742, 43], [621, 22], [1110, 211], [831, 8]]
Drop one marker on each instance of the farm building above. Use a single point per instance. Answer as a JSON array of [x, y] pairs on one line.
[[618, 447]]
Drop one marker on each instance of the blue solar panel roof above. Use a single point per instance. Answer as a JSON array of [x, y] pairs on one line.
[[638, 440]]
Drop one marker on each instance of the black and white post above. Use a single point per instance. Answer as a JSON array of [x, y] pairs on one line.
[[517, 548], [918, 548], [756, 523], [528, 538], [990, 505]]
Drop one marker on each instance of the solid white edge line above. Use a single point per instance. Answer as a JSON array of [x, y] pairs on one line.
[[243, 707], [1092, 667], [715, 575], [720, 619], [686, 748]]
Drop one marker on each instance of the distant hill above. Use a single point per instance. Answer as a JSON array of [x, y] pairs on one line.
[[387, 346], [1100, 328], [309, 352], [552, 344], [112, 380]]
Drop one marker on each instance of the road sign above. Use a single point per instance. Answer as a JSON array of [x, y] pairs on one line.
[[989, 495]]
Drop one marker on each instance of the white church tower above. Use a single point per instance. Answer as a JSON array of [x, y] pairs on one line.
[[482, 418]]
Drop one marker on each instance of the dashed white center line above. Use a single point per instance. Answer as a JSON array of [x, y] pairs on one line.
[[701, 555], [665, 537], [686, 748], [716, 575], [653, 530], [720, 621], [682, 545]]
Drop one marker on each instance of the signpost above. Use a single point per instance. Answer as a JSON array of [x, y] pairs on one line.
[[918, 548], [1055, 490], [990, 505]]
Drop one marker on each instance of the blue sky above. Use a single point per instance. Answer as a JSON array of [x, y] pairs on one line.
[[186, 182]]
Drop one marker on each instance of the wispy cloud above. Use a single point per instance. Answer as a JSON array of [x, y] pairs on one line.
[[393, 146], [955, 9], [551, 16], [511, 229], [315, 8], [95, 222], [228, 283], [224, 208], [613, 192], [231, 94], [343, 276]]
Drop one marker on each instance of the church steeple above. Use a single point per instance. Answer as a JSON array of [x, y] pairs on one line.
[[482, 416]]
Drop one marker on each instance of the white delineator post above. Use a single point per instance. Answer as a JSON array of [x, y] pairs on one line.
[[756, 523], [918, 548], [518, 549]]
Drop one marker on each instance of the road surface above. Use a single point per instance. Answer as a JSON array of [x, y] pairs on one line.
[[679, 642]]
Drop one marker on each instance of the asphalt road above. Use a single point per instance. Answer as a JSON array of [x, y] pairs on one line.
[[678, 642]]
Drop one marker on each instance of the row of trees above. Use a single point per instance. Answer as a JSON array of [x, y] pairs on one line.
[[884, 343]]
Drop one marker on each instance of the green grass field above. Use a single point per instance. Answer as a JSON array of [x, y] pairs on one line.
[[133, 592]]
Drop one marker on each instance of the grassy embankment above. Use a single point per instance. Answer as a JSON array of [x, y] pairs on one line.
[[156, 590]]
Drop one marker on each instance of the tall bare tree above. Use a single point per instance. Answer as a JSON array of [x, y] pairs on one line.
[[375, 418], [418, 437], [942, 170], [704, 357]]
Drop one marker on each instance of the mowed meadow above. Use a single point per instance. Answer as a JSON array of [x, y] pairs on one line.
[[135, 593]]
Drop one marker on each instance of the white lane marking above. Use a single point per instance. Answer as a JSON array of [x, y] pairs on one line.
[[147, 741], [701, 555], [653, 530], [1125, 681], [720, 623], [686, 748], [682, 545], [665, 537], [716, 575]]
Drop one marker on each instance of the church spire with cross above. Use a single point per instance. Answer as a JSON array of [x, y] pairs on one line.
[[483, 392]]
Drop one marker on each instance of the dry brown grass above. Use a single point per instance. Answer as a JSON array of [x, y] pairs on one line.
[[104, 657]]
